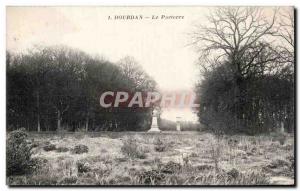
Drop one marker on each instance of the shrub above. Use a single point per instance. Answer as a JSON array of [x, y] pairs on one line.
[[291, 166], [79, 149], [279, 167], [49, 147], [282, 140], [171, 167], [39, 163], [83, 166], [69, 180], [278, 163], [234, 173], [280, 137], [249, 178], [131, 149], [119, 160], [152, 177], [43, 179], [18, 154], [204, 167], [159, 146], [233, 142], [193, 154], [62, 149], [34, 143]]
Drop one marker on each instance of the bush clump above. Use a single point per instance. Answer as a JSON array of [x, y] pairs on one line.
[[234, 173], [159, 146], [280, 137], [69, 180], [49, 147], [171, 168], [151, 177], [19, 154], [62, 149], [79, 149], [131, 149], [83, 166]]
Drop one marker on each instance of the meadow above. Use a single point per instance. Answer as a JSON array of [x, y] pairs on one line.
[[166, 158]]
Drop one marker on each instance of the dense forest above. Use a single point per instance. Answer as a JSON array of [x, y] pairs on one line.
[[246, 62], [58, 89]]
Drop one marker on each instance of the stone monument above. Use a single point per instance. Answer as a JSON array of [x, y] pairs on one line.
[[154, 125], [178, 128]]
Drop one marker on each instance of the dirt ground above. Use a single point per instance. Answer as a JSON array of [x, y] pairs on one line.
[[167, 158]]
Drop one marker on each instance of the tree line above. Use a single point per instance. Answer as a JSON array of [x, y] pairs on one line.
[[246, 64], [58, 88]]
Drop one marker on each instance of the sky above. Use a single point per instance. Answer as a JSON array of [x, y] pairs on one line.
[[160, 46]]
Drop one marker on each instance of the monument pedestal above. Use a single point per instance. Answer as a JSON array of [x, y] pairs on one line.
[[154, 126], [178, 128]]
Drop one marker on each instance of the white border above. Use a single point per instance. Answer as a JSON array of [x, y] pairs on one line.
[[152, 2], [4, 3]]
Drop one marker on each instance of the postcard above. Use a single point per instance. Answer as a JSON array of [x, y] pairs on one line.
[[150, 96]]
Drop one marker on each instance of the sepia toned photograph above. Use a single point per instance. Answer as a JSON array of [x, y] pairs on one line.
[[150, 96]]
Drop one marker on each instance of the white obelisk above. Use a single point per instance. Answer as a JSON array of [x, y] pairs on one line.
[[154, 125]]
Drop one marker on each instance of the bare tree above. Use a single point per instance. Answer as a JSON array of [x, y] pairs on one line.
[[237, 35], [134, 72], [285, 30], [239, 46]]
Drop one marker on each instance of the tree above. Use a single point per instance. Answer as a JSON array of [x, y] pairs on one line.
[[136, 75], [100, 76], [285, 30], [138, 80], [237, 52], [236, 35], [56, 88]]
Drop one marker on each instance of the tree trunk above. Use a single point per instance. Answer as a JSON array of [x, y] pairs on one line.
[[58, 121], [87, 122], [38, 125], [281, 127], [38, 111]]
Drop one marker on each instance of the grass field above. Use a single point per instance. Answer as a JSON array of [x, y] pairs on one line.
[[168, 158]]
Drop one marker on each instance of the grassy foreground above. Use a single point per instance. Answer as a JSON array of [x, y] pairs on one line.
[[168, 158]]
